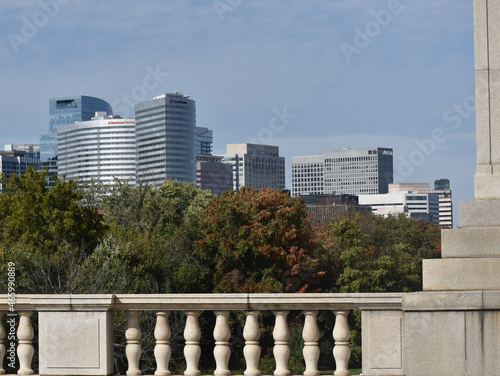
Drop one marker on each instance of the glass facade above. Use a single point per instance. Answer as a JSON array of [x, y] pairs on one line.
[[204, 141], [64, 111], [166, 139]]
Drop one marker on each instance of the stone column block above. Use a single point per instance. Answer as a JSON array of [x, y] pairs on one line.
[[382, 345]]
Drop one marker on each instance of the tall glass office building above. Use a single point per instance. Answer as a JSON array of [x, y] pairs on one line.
[[166, 139], [63, 111]]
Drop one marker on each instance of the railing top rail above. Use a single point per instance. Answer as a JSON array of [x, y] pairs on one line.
[[248, 302]]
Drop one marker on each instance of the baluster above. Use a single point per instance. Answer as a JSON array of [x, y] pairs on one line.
[[133, 335], [2, 346], [281, 350], [192, 350], [25, 348], [251, 351], [311, 351], [341, 350], [162, 348], [222, 352]]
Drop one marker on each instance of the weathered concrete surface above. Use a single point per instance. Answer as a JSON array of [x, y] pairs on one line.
[[383, 352], [78, 338], [452, 333]]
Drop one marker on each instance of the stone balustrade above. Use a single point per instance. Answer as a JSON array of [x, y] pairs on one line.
[[75, 332]]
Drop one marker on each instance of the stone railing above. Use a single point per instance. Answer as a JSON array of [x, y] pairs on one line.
[[75, 332]]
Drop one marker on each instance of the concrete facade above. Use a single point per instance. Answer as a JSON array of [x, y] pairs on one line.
[[102, 149], [344, 171], [166, 139], [255, 166]]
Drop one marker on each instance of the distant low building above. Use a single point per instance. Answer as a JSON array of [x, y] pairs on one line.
[[212, 174], [327, 208], [416, 200], [256, 166], [16, 159]]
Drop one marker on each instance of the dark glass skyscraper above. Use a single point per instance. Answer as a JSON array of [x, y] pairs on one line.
[[63, 111]]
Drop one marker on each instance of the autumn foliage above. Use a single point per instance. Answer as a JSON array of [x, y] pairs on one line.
[[259, 241]]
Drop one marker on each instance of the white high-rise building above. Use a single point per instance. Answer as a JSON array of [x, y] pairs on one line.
[[256, 166], [102, 149], [345, 171]]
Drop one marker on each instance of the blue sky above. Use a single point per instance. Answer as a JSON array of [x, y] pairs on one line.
[[307, 76]]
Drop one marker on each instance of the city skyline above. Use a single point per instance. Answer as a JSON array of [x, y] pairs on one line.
[[305, 77]]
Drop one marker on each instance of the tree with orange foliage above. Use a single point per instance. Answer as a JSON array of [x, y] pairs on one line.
[[259, 241]]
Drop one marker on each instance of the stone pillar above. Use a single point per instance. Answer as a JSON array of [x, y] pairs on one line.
[[452, 327], [470, 254]]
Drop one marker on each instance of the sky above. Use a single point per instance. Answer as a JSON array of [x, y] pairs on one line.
[[307, 76]]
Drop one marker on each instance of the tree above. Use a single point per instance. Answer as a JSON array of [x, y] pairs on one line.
[[375, 254], [258, 241], [46, 232], [366, 253]]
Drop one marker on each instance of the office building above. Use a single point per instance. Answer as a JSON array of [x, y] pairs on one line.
[[442, 188], [204, 141], [166, 139], [63, 111], [326, 208], [16, 159], [419, 205], [29, 150], [415, 199], [212, 174], [256, 166], [346, 171], [101, 149]]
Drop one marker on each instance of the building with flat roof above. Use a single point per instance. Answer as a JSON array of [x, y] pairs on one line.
[[345, 171], [212, 174], [102, 149], [166, 139], [256, 166], [441, 189], [415, 199], [64, 111], [417, 205], [16, 159]]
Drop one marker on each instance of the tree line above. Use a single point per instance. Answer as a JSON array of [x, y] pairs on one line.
[[94, 238]]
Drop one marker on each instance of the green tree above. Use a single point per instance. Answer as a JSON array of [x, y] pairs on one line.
[[46, 232], [367, 253]]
